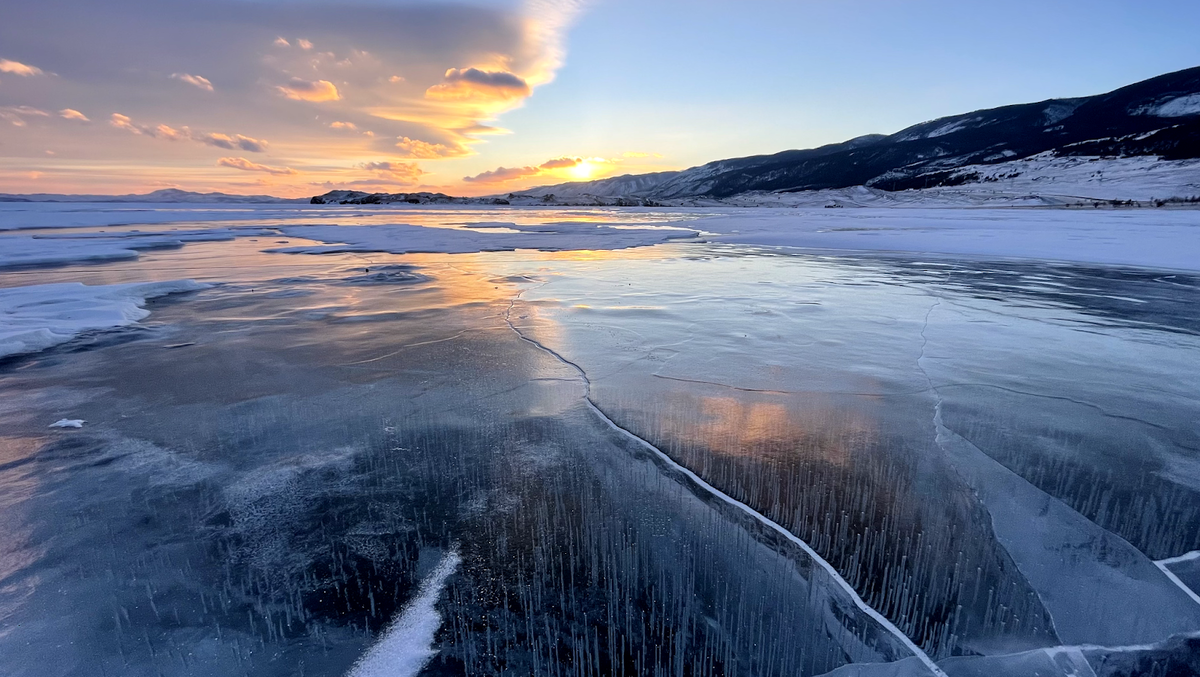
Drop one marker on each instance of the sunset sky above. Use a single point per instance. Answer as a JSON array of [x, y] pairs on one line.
[[297, 97]]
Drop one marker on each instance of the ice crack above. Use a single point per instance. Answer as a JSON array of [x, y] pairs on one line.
[[705, 487]]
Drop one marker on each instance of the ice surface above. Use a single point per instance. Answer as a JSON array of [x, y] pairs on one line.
[[37, 317], [1096, 587], [1146, 237], [797, 462], [402, 238], [49, 250], [35, 215]]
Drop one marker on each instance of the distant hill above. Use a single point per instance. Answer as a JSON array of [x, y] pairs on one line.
[[1159, 117], [166, 195]]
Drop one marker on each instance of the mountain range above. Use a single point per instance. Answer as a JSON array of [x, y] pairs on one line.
[[166, 195], [1159, 117]]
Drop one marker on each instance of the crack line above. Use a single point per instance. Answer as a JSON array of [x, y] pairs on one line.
[[700, 482]]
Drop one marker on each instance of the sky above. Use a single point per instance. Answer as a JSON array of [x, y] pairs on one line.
[[298, 97]]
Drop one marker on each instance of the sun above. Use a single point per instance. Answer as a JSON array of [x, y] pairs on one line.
[[583, 171]]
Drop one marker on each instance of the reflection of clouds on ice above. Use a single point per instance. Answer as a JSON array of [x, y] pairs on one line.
[[41, 316], [406, 645]]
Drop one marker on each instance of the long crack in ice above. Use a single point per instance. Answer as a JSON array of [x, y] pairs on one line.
[[717, 493]]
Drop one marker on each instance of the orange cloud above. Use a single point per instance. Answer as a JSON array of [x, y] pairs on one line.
[[248, 166], [234, 142], [343, 125], [472, 83], [504, 174], [404, 173], [193, 80], [18, 68], [422, 150], [17, 114], [304, 90], [72, 114]]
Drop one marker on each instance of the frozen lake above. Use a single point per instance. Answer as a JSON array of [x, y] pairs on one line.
[[598, 441]]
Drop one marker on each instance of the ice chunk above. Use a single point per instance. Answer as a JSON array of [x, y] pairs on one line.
[[38, 317], [68, 423]]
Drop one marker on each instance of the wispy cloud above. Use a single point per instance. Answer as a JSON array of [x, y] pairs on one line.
[[16, 115], [18, 68], [193, 80], [72, 114], [309, 90], [338, 124], [226, 141], [248, 166]]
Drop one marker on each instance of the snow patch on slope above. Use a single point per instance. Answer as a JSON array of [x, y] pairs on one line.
[[38, 317], [1139, 178], [1181, 106]]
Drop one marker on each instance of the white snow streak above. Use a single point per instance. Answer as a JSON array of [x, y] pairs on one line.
[[406, 645]]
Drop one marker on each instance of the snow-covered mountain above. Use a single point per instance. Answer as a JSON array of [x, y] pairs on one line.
[[165, 196], [1157, 119]]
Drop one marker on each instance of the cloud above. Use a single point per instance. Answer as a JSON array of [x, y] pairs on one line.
[[124, 122], [502, 174], [423, 150], [561, 163], [193, 80], [234, 142], [18, 68], [304, 90], [474, 83], [405, 173], [343, 125], [502, 50], [72, 114], [248, 166], [304, 44], [17, 114]]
